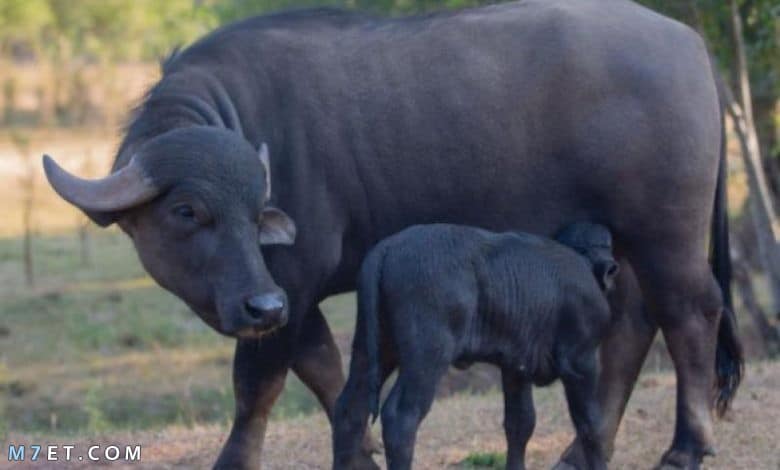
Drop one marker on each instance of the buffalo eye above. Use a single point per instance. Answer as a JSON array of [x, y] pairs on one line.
[[184, 211]]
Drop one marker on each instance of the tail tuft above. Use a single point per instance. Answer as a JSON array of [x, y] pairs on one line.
[[729, 362]]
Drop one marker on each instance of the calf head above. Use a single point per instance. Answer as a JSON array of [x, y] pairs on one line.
[[594, 242], [195, 203]]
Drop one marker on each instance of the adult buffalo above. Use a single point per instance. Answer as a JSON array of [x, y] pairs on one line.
[[522, 116]]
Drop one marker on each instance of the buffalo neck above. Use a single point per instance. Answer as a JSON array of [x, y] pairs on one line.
[[188, 97], [205, 94]]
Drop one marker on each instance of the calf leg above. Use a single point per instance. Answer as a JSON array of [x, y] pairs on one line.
[[622, 354], [350, 417], [579, 383], [407, 404], [318, 364], [519, 417]]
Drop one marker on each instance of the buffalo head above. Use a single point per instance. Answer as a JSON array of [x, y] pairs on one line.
[[594, 242], [195, 203]]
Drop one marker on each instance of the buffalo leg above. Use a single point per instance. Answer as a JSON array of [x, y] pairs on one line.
[[318, 364], [317, 360], [519, 417], [622, 352], [259, 371], [686, 302], [580, 387]]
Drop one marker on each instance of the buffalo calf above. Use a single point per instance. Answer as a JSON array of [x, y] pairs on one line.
[[439, 295]]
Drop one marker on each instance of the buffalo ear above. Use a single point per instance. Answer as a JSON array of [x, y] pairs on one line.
[[265, 160], [276, 228]]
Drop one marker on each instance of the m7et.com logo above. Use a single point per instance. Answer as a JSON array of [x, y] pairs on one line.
[[66, 453]]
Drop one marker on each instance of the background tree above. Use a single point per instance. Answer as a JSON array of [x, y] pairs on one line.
[[27, 183]]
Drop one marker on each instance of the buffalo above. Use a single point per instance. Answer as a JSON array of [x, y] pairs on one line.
[[436, 295], [520, 116]]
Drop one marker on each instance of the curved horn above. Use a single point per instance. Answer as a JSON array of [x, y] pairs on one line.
[[123, 189], [266, 161]]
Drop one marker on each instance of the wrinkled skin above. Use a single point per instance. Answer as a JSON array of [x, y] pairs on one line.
[[522, 116], [438, 295]]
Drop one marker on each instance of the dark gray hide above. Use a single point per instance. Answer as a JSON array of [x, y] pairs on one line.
[[437, 295]]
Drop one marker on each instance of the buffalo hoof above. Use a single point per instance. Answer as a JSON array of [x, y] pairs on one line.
[[572, 459], [563, 465], [369, 464], [228, 464], [362, 461], [682, 460]]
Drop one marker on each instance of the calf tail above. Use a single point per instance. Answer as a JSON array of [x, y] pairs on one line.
[[368, 318], [729, 360]]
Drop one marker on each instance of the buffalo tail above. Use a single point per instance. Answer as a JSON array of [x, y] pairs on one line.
[[368, 315], [729, 360]]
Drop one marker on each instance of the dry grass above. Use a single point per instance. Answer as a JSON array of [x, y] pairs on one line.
[[465, 424]]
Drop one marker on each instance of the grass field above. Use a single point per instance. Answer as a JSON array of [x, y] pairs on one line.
[[100, 347], [464, 432]]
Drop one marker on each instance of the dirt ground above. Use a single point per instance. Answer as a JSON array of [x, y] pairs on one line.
[[464, 424]]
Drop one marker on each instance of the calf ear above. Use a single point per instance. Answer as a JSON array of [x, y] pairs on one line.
[[276, 228], [606, 271]]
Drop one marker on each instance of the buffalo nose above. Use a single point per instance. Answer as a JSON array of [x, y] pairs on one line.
[[265, 306]]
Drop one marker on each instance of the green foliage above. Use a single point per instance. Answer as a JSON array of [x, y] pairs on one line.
[[484, 460], [115, 30], [226, 11], [96, 419], [132, 30], [23, 21], [99, 30], [761, 28]]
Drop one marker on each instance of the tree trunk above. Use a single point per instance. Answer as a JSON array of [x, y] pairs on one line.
[[85, 245], [27, 183], [765, 110], [85, 240], [29, 273], [761, 204], [770, 334]]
